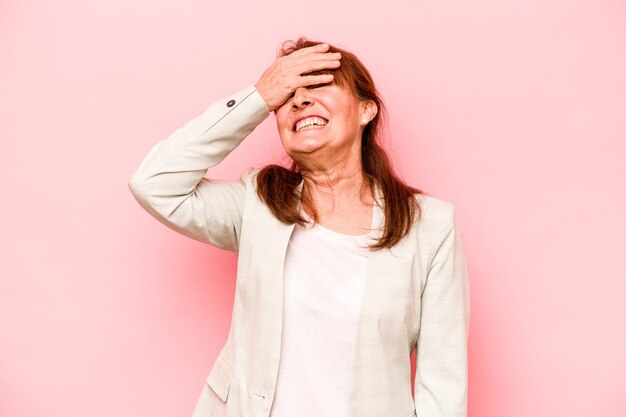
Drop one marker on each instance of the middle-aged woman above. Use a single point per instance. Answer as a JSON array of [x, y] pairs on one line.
[[343, 269]]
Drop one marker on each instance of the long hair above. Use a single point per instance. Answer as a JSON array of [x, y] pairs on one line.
[[276, 184]]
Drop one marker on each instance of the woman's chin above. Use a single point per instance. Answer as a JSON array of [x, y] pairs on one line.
[[305, 145]]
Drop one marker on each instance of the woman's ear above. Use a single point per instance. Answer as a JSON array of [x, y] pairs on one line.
[[369, 112]]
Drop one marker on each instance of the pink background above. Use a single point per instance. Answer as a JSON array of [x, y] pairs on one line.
[[514, 111]]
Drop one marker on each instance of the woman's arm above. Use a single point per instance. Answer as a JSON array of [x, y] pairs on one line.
[[441, 373], [169, 182]]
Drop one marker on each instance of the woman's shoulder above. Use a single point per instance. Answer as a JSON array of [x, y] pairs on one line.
[[435, 209], [249, 174]]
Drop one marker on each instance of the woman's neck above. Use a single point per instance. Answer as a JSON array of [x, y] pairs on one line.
[[335, 191]]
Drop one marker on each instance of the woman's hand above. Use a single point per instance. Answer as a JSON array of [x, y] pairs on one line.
[[286, 74]]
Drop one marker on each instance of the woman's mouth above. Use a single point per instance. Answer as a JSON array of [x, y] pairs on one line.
[[309, 123]]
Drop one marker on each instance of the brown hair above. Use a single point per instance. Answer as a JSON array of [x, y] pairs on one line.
[[276, 184]]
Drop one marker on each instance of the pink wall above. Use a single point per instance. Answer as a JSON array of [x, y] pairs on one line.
[[514, 111]]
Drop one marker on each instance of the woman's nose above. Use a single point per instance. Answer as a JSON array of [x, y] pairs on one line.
[[301, 98]]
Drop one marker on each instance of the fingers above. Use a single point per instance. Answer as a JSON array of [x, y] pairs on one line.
[[287, 73], [314, 53], [317, 57], [311, 62], [310, 49], [311, 66], [310, 59], [315, 79], [311, 55]]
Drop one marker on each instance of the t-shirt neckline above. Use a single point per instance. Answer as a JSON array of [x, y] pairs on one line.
[[360, 238]]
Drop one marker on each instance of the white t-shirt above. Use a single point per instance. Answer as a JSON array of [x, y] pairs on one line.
[[324, 279]]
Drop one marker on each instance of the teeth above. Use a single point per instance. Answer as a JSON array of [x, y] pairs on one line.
[[310, 123]]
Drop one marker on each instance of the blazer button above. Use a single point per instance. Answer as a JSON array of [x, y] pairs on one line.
[[231, 103]]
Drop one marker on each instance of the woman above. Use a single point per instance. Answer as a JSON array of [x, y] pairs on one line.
[[343, 269]]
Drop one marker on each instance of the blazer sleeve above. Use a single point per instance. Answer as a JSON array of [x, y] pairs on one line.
[[170, 185], [440, 388]]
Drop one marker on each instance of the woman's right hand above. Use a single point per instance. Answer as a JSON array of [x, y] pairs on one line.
[[286, 73]]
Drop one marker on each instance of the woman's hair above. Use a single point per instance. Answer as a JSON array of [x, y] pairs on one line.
[[276, 184]]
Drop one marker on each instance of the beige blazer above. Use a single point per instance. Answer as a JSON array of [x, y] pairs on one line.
[[416, 295]]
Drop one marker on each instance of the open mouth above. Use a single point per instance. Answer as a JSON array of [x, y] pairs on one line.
[[309, 123]]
